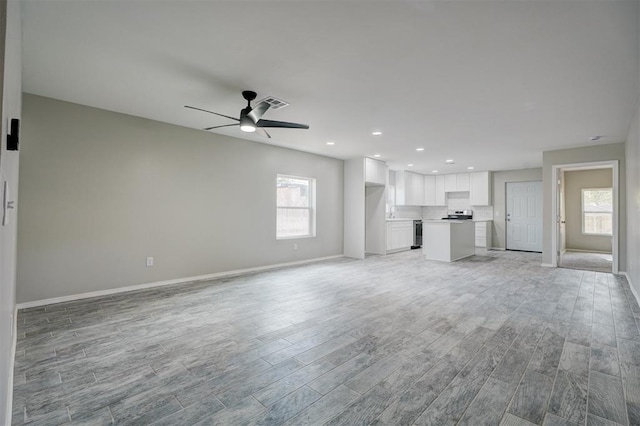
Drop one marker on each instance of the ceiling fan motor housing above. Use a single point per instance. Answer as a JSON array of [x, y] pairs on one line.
[[249, 95]]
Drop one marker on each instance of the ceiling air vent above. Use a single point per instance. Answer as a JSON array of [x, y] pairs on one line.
[[275, 103]]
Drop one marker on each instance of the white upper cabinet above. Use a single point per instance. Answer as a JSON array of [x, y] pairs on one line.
[[375, 172], [480, 189], [430, 191], [441, 199], [456, 182], [450, 183], [413, 189], [409, 189], [462, 182]]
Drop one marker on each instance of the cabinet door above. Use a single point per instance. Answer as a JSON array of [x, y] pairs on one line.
[[389, 235], [430, 191], [409, 189], [479, 189], [440, 192], [395, 236], [414, 189], [407, 235], [418, 189], [450, 183], [462, 181], [375, 171]]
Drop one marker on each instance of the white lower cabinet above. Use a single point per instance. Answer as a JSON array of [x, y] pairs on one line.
[[399, 235], [483, 234]]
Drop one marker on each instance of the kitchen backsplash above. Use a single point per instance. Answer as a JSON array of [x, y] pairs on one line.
[[458, 201], [408, 212], [455, 201]]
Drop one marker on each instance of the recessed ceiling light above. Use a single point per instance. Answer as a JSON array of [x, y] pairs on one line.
[[449, 161], [595, 138], [376, 133], [419, 149], [377, 155], [470, 168], [434, 171], [331, 143], [410, 165]]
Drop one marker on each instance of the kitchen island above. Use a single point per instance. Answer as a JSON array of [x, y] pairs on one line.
[[448, 240]]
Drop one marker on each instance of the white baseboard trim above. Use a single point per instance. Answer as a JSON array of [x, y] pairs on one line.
[[633, 290], [586, 251], [224, 274], [497, 248], [547, 265], [14, 342]]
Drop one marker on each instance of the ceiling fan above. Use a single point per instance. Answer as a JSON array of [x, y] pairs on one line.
[[251, 118]]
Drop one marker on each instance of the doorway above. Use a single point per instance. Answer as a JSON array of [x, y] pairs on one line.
[[586, 231], [524, 216]]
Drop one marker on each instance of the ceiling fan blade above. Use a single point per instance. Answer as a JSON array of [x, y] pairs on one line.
[[217, 127], [264, 132], [258, 111], [282, 124], [211, 112]]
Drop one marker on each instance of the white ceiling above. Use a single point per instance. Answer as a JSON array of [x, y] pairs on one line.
[[490, 84]]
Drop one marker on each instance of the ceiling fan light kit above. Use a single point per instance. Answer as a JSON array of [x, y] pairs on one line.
[[251, 117]]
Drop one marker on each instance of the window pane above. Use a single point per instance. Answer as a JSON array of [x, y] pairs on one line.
[[598, 223], [597, 200], [293, 223], [292, 192]]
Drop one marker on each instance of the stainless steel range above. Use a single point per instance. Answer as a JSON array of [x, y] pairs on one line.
[[459, 215]]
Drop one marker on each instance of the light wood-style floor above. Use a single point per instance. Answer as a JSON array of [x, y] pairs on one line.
[[494, 339]]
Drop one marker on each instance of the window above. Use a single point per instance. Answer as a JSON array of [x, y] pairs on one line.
[[597, 211], [296, 207]]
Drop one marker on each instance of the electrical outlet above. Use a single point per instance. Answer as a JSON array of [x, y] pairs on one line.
[[149, 261], [295, 246]]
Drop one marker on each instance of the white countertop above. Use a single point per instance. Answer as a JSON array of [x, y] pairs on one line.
[[401, 219], [446, 221]]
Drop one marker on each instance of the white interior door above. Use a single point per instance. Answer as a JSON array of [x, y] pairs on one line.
[[524, 216]]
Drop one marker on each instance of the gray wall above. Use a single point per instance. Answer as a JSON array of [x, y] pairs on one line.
[[100, 191], [500, 180], [632, 151], [11, 94], [575, 181], [583, 155]]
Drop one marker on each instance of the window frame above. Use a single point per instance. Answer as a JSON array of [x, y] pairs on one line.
[[311, 208], [584, 232]]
